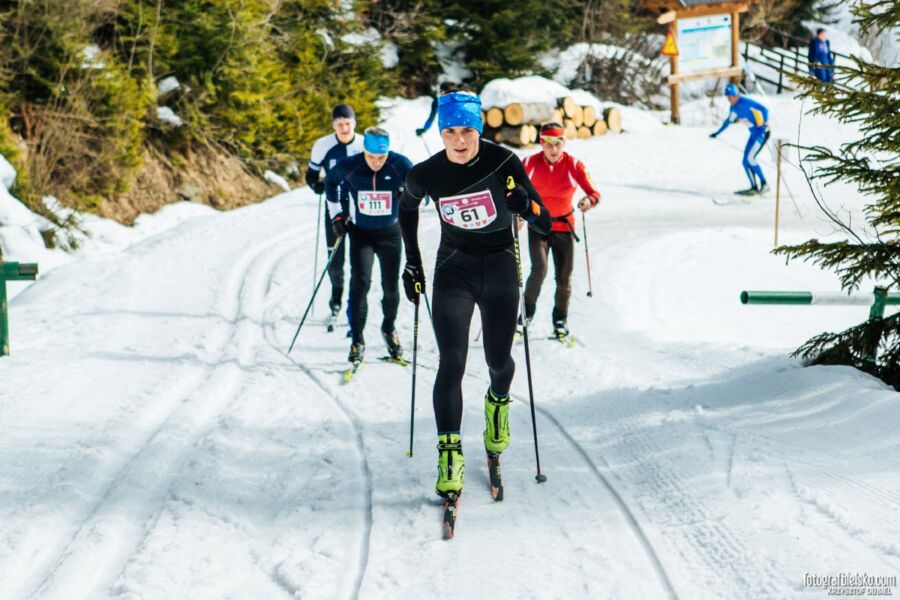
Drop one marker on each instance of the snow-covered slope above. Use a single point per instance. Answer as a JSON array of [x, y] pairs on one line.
[[156, 442]]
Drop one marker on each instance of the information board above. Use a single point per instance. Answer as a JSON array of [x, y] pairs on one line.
[[704, 43]]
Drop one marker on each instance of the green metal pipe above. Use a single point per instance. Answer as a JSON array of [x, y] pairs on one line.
[[776, 297], [831, 298]]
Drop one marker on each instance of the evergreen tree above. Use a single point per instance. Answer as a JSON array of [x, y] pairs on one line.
[[869, 98]]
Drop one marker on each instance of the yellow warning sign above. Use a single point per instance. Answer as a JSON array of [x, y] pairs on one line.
[[670, 48]]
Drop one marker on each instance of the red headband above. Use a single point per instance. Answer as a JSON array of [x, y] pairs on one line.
[[553, 132]]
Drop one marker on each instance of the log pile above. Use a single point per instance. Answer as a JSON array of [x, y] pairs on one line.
[[517, 124]]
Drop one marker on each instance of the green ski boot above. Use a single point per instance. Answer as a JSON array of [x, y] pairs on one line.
[[451, 465], [496, 422]]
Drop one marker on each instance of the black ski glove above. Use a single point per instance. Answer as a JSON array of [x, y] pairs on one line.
[[339, 225], [413, 282], [420, 131], [318, 187], [713, 135], [517, 200]]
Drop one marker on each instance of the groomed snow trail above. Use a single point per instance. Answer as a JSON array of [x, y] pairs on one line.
[[156, 442]]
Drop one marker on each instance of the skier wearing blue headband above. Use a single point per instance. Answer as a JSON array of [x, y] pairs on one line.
[[363, 194], [479, 189]]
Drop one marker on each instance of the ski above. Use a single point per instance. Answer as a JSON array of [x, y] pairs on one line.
[[566, 340], [397, 361], [496, 483], [350, 373], [451, 508]]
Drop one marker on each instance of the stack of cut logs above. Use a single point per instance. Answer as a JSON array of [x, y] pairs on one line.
[[517, 124]]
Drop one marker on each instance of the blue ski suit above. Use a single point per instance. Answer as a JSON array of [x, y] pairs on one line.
[[757, 116]]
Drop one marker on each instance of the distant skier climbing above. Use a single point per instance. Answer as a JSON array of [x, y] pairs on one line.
[[757, 116]]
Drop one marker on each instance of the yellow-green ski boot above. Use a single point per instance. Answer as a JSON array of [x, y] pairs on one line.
[[496, 422], [451, 466]]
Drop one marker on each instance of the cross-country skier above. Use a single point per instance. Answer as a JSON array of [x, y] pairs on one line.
[[555, 174], [757, 117], [363, 194], [478, 189], [326, 152]]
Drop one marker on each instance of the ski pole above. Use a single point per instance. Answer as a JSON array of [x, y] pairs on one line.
[[412, 409], [587, 256], [316, 249], [540, 477], [334, 249]]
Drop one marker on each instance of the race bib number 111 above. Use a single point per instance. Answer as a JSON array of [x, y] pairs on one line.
[[374, 204], [469, 211]]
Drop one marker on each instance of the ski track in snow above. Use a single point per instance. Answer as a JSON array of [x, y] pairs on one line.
[[167, 446]]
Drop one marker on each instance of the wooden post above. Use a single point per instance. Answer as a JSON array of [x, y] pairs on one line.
[[675, 91], [735, 43], [779, 144]]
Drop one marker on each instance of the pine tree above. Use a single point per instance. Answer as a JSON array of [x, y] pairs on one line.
[[870, 98]]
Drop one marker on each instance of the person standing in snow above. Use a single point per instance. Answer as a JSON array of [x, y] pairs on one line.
[[820, 56], [326, 152], [363, 194], [478, 188], [757, 117], [554, 174]]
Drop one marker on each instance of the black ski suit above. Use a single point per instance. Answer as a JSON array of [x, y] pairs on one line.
[[476, 264], [369, 203]]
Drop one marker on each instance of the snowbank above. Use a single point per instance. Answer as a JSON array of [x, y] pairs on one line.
[[532, 88]]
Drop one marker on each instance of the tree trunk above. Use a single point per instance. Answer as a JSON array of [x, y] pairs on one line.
[[600, 127], [613, 119], [590, 116], [568, 105], [515, 136], [527, 112], [494, 117], [571, 129], [578, 116], [583, 133]]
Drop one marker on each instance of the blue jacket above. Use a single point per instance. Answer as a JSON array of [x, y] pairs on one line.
[[370, 200], [819, 52], [756, 115]]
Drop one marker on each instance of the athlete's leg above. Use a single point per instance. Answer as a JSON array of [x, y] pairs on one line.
[[361, 258], [757, 169], [747, 161], [453, 300], [538, 247], [562, 244], [336, 269], [388, 249], [498, 301]]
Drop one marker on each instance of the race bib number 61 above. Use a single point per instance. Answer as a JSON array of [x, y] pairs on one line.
[[469, 211]]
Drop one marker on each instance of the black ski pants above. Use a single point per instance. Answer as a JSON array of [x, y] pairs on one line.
[[462, 281], [365, 245], [562, 245], [336, 269]]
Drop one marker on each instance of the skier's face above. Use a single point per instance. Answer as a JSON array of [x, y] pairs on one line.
[[733, 99], [461, 143], [375, 161], [344, 129], [553, 148]]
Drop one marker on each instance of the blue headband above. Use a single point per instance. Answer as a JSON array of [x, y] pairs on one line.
[[460, 109], [376, 144]]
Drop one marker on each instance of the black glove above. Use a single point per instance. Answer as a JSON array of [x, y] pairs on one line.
[[420, 131], [413, 282], [318, 187], [339, 225], [517, 200], [713, 135]]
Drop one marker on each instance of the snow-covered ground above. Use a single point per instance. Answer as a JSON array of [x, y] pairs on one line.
[[156, 442]]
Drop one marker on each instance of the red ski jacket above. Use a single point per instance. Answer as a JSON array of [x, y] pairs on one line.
[[557, 183]]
